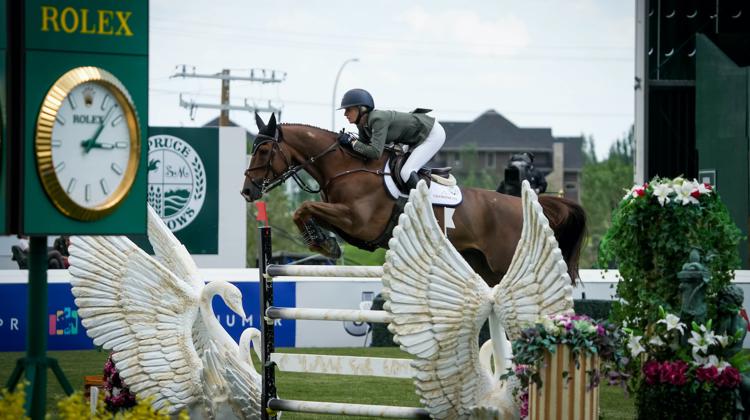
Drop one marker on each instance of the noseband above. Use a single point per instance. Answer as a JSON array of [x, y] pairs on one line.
[[292, 171]]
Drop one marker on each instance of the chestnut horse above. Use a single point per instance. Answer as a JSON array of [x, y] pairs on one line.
[[356, 205]]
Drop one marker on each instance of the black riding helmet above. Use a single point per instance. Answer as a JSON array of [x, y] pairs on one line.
[[357, 97]]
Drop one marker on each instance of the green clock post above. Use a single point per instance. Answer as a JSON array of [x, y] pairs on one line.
[[77, 122]]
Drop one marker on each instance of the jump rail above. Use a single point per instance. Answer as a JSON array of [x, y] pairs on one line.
[[341, 365]]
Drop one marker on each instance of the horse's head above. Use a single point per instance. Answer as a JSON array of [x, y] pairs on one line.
[[267, 161]]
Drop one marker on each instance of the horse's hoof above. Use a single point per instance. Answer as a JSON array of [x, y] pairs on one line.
[[331, 248]]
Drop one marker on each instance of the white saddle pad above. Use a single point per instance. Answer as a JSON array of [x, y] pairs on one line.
[[441, 195]]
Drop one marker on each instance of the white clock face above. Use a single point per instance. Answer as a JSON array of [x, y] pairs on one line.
[[90, 144]]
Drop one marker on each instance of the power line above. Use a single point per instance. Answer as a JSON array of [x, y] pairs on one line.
[[258, 75]]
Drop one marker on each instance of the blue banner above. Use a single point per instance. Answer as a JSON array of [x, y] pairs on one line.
[[65, 332]]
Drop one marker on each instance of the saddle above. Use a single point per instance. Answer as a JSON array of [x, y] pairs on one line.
[[398, 157]]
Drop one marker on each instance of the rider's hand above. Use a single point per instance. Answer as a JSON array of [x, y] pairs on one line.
[[344, 138]]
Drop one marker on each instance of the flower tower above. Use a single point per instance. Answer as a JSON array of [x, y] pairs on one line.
[[676, 248]]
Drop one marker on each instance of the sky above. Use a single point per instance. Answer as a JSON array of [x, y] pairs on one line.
[[567, 65]]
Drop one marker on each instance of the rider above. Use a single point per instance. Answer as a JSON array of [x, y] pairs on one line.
[[377, 127]]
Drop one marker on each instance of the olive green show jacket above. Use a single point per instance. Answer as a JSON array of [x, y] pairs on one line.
[[384, 127]]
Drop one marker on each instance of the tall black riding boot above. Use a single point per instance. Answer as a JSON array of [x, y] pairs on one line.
[[411, 183]]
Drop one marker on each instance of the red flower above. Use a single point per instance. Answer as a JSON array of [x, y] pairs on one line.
[[708, 374], [641, 192], [695, 193], [729, 378], [674, 373], [651, 371], [708, 186]]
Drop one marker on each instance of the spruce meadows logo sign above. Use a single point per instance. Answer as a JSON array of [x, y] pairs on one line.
[[176, 180]]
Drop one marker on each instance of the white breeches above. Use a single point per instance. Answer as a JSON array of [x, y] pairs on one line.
[[422, 154]]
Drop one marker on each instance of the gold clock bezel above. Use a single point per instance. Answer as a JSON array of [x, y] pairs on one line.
[[43, 142]]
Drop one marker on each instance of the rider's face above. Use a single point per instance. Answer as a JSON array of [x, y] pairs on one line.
[[351, 113]]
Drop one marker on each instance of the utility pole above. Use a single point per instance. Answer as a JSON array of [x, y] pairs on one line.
[[263, 76]]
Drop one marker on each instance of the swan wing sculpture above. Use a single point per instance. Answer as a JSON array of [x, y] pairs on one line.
[[438, 304], [232, 387], [537, 282], [132, 304], [156, 314]]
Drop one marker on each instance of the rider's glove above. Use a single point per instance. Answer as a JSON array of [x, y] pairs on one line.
[[344, 138]]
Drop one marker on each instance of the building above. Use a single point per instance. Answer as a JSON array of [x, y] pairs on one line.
[[491, 139]]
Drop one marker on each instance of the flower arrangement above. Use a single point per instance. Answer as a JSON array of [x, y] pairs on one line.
[[11, 403], [76, 407], [694, 368], [654, 228], [117, 396], [583, 335]]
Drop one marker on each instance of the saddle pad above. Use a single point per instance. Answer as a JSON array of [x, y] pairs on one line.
[[441, 195]]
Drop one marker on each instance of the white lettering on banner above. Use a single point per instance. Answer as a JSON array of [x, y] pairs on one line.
[[230, 321], [247, 321], [276, 322], [1, 322], [14, 324]]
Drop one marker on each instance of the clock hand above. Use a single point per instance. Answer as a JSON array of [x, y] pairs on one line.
[[89, 144], [102, 146]]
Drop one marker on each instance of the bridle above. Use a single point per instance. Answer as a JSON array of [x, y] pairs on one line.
[[292, 171]]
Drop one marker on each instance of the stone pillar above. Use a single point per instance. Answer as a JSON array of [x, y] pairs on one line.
[[555, 178]]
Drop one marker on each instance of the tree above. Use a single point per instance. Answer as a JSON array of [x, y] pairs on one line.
[[604, 184], [286, 237]]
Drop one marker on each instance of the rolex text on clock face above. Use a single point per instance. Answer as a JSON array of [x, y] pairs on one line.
[[90, 144]]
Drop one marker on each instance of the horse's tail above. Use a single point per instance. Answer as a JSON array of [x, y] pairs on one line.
[[568, 221]]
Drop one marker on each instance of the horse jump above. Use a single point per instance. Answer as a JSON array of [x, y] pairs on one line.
[[359, 366]]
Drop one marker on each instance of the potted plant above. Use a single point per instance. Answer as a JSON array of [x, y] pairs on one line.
[[562, 358]]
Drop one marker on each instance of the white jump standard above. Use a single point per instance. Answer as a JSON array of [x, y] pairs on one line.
[[342, 365]]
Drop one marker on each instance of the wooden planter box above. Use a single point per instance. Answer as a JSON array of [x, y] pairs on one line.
[[92, 380], [564, 398]]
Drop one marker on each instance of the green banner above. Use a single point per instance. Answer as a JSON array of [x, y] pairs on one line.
[[183, 184], [3, 122], [100, 26]]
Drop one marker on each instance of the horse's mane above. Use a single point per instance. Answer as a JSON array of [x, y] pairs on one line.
[[309, 126]]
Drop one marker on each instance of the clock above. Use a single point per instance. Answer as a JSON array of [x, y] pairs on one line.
[[87, 143]]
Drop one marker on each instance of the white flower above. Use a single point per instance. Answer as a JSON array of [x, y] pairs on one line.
[[656, 341], [699, 360], [661, 192], [673, 322], [698, 342], [704, 188], [684, 193], [723, 365], [549, 326], [634, 345], [708, 335], [711, 360], [723, 340]]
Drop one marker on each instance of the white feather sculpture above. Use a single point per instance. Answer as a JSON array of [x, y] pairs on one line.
[[156, 315], [438, 304]]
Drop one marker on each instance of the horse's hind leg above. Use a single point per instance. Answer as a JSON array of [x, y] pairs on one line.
[[478, 263]]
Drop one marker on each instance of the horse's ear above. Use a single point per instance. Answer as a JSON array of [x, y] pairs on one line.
[[259, 122], [272, 123]]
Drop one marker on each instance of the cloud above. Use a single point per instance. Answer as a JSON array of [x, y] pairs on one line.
[[467, 29]]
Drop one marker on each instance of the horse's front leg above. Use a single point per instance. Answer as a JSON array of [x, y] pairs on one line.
[[308, 217]]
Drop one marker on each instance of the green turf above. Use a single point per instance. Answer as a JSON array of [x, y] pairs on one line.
[[299, 386]]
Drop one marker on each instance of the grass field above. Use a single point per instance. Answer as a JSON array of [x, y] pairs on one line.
[[299, 386]]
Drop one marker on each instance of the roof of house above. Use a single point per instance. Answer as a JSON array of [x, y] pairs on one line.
[[492, 131], [215, 123]]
